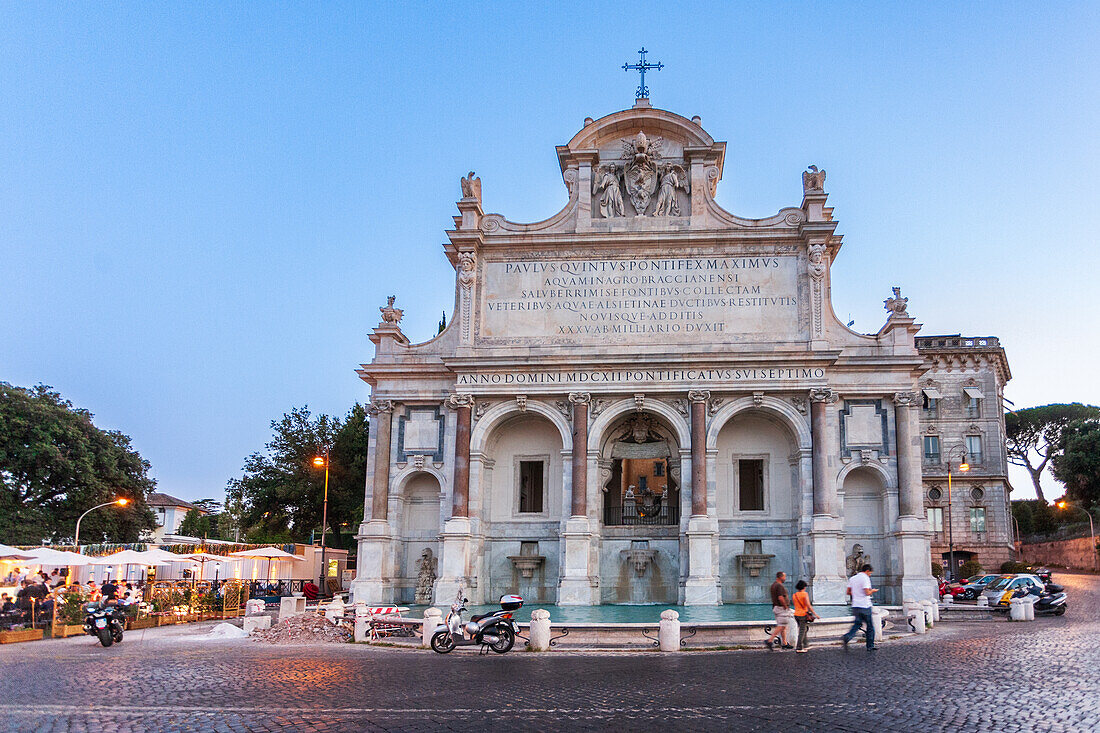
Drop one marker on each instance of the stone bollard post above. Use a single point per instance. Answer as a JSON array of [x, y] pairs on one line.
[[792, 628], [914, 613], [433, 619], [948, 599], [669, 632], [335, 610], [362, 623], [540, 630], [1016, 610], [929, 613], [1029, 608], [878, 615], [983, 602], [934, 607]]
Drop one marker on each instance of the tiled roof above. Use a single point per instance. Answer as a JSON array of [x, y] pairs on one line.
[[158, 499]]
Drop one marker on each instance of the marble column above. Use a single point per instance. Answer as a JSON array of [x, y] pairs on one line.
[[579, 583], [580, 454], [912, 540], [828, 561], [701, 586], [910, 499], [698, 452], [382, 412], [457, 538], [374, 577], [824, 486]]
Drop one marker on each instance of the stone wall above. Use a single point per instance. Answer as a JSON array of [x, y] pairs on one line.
[[1075, 553]]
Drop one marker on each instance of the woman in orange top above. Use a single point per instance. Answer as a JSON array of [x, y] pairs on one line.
[[803, 614]]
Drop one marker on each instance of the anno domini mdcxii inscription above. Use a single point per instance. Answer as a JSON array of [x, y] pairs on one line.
[[642, 300]]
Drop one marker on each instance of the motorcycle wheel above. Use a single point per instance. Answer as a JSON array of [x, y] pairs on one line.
[[507, 638], [1061, 611], [442, 642], [118, 636], [105, 637]]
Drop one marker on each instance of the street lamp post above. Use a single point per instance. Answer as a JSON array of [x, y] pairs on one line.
[[1092, 532], [318, 462], [76, 536], [963, 468]]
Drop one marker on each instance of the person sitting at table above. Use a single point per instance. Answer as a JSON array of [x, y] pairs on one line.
[[56, 579], [6, 604]]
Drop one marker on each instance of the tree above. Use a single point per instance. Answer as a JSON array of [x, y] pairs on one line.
[[55, 464], [1036, 431], [195, 524], [280, 496], [1077, 463]]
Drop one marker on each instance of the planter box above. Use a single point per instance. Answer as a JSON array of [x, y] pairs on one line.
[[141, 623], [12, 637], [166, 620], [62, 631]]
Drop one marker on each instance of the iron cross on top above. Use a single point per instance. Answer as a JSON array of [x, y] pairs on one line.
[[641, 67]]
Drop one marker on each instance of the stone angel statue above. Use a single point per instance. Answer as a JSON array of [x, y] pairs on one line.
[[607, 184], [673, 176]]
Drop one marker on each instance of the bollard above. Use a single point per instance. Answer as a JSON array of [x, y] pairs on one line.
[[669, 633], [948, 599], [983, 602], [362, 623], [929, 613], [1016, 610], [792, 628], [540, 630], [935, 608], [335, 610], [879, 615], [1029, 608], [433, 619], [917, 623]]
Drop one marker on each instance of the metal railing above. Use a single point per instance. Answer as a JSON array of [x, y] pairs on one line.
[[638, 515]]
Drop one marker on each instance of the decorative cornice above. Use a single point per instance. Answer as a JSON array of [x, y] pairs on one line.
[[460, 400], [580, 398], [823, 395], [905, 399], [380, 406], [698, 395]]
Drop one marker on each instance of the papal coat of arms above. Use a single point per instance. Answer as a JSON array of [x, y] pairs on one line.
[[640, 171]]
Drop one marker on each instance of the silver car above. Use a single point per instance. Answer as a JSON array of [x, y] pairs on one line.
[[996, 590]]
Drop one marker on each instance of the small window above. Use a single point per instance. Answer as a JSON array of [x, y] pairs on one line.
[[750, 476], [531, 487], [977, 493], [935, 494], [977, 519], [659, 469], [931, 449], [972, 398], [930, 400], [974, 449], [935, 518]]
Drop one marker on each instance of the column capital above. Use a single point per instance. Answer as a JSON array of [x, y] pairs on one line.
[[580, 398], [378, 407], [698, 395], [905, 399], [823, 394], [459, 400]]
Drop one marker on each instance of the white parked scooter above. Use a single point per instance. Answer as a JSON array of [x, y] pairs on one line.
[[496, 630]]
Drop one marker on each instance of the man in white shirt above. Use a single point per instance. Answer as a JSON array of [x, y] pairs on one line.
[[859, 588]]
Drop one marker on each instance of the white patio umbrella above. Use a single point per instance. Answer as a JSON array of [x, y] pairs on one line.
[[58, 558], [128, 558], [205, 557], [268, 553], [7, 552]]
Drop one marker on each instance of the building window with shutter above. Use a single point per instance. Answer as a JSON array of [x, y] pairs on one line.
[[935, 518], [972, 398], [977, 519], [931, 449], [930, 400], [974, 449]]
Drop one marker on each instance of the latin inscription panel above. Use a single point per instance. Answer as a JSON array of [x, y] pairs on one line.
[[645, 300]]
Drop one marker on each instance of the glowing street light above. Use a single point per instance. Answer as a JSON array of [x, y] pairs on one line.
[[963, 468], [121, 501], [322, 462]]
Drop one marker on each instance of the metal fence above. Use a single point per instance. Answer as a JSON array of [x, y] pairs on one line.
[[638, 514]]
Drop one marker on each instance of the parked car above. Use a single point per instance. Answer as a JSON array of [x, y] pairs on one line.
[[974, 586], [1044, 574], [1001, 590]]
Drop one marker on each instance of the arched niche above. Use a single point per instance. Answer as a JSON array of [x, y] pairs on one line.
[[522, 468], [863, 492], [640, 472], [418, 500], [757, 472]]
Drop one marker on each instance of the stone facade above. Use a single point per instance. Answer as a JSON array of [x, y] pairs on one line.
[[962, 418], [644, 398]]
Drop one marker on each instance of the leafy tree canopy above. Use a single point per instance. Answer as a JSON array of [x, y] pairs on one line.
[[1077, 463], [280, 496], [1033, 435], [55, 464]]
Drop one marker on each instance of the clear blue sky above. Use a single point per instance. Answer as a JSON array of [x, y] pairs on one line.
[[203, 205]]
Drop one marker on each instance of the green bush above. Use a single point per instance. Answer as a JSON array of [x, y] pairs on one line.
[[1011, 566], [71, 609], [937, 570], [970, 567]]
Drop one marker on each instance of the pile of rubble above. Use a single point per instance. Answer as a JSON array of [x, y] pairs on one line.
[[306, 629]]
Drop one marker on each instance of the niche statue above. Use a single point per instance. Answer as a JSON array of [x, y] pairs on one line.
[[425, 577], [856, 560]]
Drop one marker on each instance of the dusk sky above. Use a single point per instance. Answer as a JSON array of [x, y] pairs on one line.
[[204, 205]]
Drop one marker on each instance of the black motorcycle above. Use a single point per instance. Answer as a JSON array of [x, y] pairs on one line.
[[104, 622], [496, 630], [1052, 601]]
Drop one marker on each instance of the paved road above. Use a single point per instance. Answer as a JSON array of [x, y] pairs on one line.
[[963, 677]]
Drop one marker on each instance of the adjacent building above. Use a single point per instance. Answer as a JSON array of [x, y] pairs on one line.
[[169, 512], [646, 398]]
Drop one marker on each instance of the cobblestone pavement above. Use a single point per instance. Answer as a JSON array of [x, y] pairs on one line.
[[975, 676]]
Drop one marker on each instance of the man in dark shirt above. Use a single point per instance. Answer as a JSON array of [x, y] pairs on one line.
[[109, 591], [781, 607]]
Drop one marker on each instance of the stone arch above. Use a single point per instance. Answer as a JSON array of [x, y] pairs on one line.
[[863, 492], [888, 479], [612, 413], [499, 413], [778, 409], [418, 501]]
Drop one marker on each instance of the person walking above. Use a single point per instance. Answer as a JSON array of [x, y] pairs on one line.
[[781, 607], [859, 588], [803, 614]]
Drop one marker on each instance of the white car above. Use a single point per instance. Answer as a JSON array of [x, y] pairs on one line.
[[1000, 591]]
